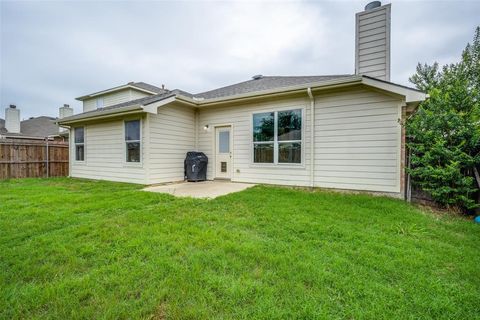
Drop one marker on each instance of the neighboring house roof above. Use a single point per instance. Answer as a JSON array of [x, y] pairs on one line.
[[141, 86], [41, 127], [2, 126], [259, 86]]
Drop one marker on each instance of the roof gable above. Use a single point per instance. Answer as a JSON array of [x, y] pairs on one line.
[[140, 86]]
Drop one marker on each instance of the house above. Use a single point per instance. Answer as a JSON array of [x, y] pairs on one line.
[[34, 128], [334, 131]]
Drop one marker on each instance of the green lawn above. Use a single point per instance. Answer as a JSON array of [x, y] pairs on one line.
[[84, 249]]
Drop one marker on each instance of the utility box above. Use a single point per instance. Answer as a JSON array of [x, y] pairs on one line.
[[195, 165]]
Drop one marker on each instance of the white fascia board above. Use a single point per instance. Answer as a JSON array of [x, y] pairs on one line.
[[410, 95], [153, 107]]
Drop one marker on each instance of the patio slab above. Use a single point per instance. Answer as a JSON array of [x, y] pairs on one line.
[[203, 190]]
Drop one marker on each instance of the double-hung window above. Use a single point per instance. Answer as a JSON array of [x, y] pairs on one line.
[[277, 137], [79, 136], [132, 141]]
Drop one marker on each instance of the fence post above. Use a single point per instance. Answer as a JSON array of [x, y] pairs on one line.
[[48, 163]]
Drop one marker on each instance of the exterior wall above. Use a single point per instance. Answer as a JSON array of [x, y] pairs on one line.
[[113, 98], [240, 117], [372, 43], [357, 141], [171, 136], [105, 154]]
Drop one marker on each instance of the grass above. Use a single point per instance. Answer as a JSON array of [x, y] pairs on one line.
[[78, 249]]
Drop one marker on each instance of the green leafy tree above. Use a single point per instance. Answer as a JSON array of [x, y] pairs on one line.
[[444, 133]]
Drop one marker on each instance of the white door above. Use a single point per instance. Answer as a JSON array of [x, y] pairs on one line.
[[223, 152]]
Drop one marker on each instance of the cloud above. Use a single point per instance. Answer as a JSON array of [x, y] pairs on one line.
[[52, 52]]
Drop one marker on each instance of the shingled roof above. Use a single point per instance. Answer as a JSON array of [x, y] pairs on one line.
[[258, 85], [135, 85], [34, 127], [2, 126], [261, 83], [146, 86]]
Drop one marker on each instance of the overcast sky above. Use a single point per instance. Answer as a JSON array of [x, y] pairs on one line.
[[52, 52]]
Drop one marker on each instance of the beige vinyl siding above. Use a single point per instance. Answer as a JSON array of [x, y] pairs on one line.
[[113, 98], [373, 43], [105, 155], [135, 94], [357, 141], [89, 105], [240, 117], [172, 135]]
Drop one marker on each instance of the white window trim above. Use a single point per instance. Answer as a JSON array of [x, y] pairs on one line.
[[276, 141], [75, 145], [125, 162]]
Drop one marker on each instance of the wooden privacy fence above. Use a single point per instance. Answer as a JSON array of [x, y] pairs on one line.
[[33, 158]]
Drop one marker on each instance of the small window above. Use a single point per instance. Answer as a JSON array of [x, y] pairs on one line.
[[277, 137], [99, 103], [132, 141], [79, 136]]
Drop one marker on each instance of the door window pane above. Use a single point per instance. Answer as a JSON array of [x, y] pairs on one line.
[[132, 130], [290, 152], [224, 141], [263, 153], [263, 126], [133, 151], [290, 125]]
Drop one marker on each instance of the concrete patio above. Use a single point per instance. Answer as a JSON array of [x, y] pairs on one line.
[[203, 190]]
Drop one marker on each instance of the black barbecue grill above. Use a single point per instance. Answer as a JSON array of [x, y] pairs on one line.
[[196, 166]]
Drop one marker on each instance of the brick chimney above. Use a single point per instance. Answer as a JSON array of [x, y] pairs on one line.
[[12, 119], [372, 41]]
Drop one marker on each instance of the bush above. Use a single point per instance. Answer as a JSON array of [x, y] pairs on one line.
[[444, 133]]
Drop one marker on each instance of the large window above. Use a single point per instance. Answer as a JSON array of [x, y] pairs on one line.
[[277, 137], [79, 136], [132, 141]]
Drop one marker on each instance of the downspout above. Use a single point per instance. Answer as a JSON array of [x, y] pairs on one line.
[[196, 129], [312, 137]]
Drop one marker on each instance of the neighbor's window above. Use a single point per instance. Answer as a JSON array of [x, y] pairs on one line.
[[79, 136], [132, 140], [277, 137], [99, 103]]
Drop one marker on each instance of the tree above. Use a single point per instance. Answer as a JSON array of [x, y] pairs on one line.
[[444, 133]]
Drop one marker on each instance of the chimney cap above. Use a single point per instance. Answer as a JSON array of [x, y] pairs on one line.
[[66, 105], [372, 5], [13, 106]]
